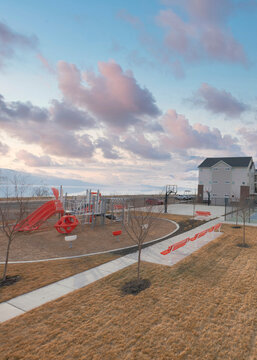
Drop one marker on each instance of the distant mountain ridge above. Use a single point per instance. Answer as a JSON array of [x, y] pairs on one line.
[[32, 179], [73, 186]]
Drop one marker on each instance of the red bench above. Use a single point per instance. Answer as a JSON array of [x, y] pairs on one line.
[[203, 213], [217, 226], [181, 243]]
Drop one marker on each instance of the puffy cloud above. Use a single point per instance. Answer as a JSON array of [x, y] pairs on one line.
[[18, 111], [50, 130], [67, 144], [69, 117], [33, 160], [11, 40], [205, 32], [218, 101], [139, 145], [105, 145], [113, 96], [249, 135], [3, 148], [181, 135]]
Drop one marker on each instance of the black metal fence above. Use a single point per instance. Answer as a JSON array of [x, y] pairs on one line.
[[242, 212]]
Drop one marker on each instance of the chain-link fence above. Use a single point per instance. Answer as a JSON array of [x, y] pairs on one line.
[[242, 212]]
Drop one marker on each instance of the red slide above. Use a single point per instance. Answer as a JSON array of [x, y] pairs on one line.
[[40, 215]]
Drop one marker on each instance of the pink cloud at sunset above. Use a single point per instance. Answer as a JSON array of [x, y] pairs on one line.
[[114, 96], [138, 144], [33, 160], [180, 135], [249, 136], [205, 32], [218, 101]]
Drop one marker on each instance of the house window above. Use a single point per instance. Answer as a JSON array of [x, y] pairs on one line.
[[215, 168], [233, 182], [227, 182], [243, 182], [215, 182], [213, 195], [209, 182], [227, 169]]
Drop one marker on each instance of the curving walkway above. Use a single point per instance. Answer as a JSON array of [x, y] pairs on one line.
[[23, 303]]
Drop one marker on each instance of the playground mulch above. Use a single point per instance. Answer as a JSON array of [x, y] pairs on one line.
[[47, 243], [204, 307]]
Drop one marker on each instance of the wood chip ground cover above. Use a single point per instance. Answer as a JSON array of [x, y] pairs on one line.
[[204, 307]]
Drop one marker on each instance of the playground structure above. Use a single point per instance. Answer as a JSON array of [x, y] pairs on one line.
[[81, 209], [40, 215], [66, 224], [86, 208], [78, 209]]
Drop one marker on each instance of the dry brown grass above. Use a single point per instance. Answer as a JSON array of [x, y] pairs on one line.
[[36, 275], [204, 307]]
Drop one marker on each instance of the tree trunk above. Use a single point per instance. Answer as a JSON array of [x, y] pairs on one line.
[[244, 232], [6, 259], [139, 261]]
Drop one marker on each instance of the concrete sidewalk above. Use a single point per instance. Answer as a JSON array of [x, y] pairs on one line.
[[152, 253], [20, 304], [23, 303]]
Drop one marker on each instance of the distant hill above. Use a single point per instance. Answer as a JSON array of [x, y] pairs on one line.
[[72, 186], [32, 181]]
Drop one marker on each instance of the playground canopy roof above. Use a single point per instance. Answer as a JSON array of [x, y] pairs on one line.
[[232, 161]]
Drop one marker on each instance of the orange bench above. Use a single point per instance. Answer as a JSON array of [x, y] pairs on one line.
[[203, 213]]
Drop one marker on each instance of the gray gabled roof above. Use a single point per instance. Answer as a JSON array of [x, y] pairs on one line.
[[232, 161]]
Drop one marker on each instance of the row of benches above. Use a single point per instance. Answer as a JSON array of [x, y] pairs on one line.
[[181, 243]]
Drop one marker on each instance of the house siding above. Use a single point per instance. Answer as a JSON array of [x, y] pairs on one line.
[[224, 180]]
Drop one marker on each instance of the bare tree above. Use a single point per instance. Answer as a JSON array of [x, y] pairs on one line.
[[13, 210], [244, 212], [41, 191], [139, 223]]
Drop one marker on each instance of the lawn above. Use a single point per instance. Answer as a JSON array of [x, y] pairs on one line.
[[204, 307], [35, 275]]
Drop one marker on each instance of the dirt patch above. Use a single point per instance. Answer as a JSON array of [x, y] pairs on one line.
[[9, 280], [243, 245], [48, 243], [135, 286]]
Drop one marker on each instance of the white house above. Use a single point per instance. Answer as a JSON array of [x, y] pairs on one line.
[[226, 177]]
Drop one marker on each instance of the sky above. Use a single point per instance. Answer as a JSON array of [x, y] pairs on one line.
[[131, 95]]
